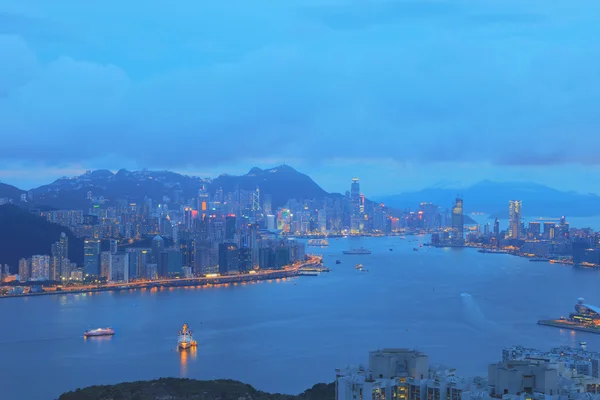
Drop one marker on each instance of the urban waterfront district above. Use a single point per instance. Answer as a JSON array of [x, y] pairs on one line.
[[285, 335]]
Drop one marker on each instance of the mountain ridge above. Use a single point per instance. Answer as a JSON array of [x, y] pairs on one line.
[[493, 197]]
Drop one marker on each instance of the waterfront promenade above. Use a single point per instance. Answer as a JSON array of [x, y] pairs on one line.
[[258, 275]]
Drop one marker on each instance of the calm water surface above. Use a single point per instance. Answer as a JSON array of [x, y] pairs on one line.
[[285, 336]]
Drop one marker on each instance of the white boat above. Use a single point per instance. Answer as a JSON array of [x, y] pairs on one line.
[[99, 332], [186, 338]]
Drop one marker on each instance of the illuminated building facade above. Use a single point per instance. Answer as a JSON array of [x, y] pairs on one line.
[[228, 259], [515, 211], [355, 216], [40, 268], [457, 238], [91, 257]]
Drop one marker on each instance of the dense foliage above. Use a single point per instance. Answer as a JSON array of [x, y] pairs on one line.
[[189, 389], [23, 234]]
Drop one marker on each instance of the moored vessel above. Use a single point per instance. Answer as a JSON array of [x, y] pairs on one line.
[[99, 332], [185, 339], [361, 250], [318, 243]]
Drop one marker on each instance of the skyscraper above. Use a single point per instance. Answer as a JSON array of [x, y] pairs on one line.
[[457, 238], [230, 227], [355, 206], [106, 265], [228, 259], [24, 270], [514, 219], [91, 257], [40, 268], [119, 267]]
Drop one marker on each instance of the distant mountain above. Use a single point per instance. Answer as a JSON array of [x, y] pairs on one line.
[[492, 198], [282, 183], [133, 186], [23, 234]]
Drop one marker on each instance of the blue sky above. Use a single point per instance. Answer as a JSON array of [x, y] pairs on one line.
[[404, 94]]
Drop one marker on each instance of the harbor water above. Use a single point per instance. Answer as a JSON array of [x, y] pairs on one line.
[[286, 335]]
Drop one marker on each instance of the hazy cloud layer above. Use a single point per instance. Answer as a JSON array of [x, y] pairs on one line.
[[191, 85]]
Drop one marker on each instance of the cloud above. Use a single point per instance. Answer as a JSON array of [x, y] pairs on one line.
[[196, 86]]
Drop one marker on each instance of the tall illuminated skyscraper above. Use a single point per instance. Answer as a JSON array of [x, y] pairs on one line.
[[515, 210], [457, 238], [91, 257], [355, 206]]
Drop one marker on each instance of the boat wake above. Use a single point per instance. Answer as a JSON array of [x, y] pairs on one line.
[[473, 316]]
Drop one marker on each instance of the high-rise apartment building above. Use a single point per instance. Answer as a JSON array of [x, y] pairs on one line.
[[40, 268], [24, 270]]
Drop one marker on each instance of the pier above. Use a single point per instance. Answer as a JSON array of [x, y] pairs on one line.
[[557, 323]]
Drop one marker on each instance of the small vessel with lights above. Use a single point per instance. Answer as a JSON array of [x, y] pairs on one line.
[[318, 243], [186, 338], [99, 332], [358, 266]]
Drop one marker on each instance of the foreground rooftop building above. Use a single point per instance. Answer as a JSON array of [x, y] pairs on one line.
[[523, 374], [403, 374]]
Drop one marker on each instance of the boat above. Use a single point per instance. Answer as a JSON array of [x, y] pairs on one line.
[[99, 332], [391, 249], [465, 294], [186, 338], [318, 243], [338, 262], [361, 250], [308, 273], [358, 266]]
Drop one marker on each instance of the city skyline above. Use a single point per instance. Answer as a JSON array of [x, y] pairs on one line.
[[482, 89]]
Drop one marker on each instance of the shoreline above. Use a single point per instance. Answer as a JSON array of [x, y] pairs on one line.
[[183, 282], [567, 325]]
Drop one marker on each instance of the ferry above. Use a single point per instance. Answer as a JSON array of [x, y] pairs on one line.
[[318, 243], [361, 250], [99, 332], [186, 338], [358, 266]]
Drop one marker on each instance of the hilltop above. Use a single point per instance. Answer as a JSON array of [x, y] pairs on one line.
[[23, 234], [190, 389], [282, 183]]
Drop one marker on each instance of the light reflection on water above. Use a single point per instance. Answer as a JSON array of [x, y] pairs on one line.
[[183, 357]]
